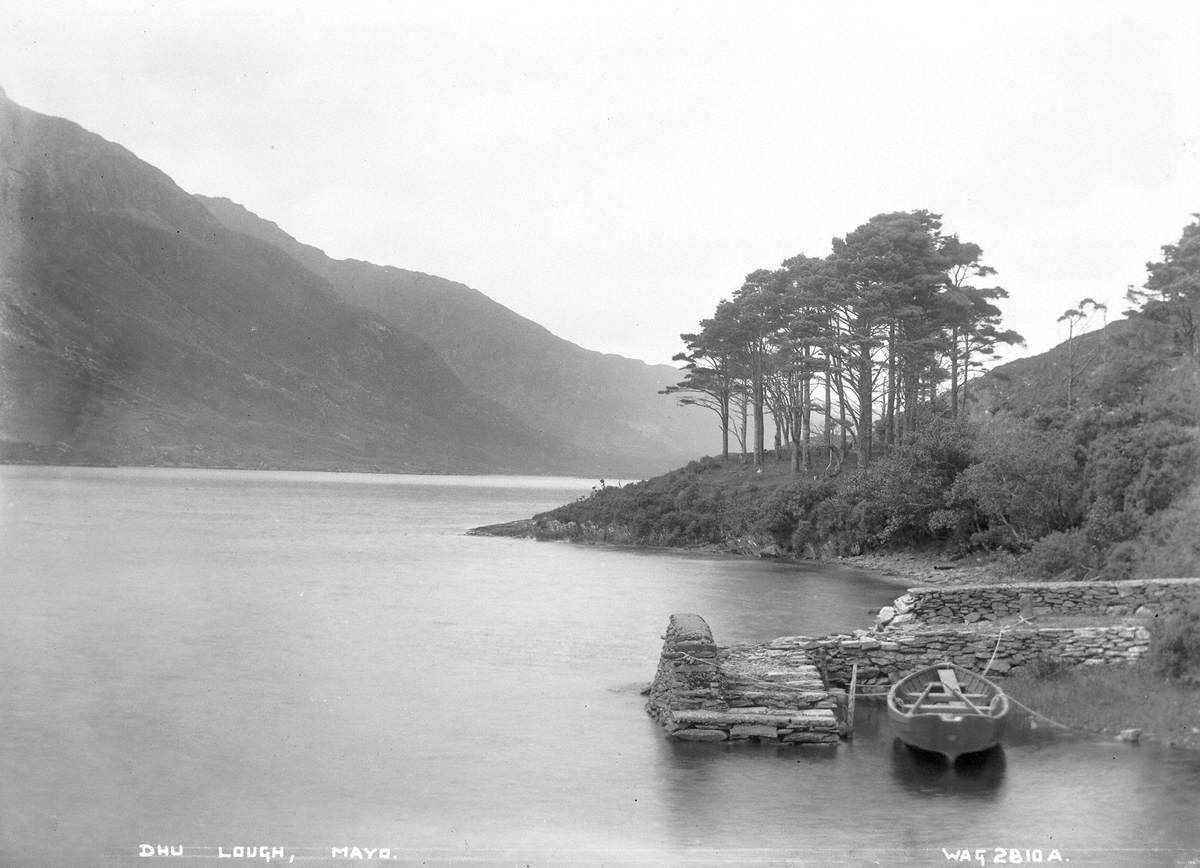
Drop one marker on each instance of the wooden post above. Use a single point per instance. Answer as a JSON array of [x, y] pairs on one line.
[[850, 701]]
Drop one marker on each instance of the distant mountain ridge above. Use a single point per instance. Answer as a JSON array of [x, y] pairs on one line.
[[137, 328], [582, 396]]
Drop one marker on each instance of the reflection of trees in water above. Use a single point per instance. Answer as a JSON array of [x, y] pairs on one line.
[[929, 774]]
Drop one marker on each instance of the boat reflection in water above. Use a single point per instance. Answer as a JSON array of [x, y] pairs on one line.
[[924, 773]]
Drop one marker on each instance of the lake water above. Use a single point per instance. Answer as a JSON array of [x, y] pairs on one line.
[[214, 659]]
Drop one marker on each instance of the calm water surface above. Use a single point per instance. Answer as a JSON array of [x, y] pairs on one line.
[[215, 659]]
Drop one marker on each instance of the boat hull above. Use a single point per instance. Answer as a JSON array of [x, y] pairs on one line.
[[951, 736]]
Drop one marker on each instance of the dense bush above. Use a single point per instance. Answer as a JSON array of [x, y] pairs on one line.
[[1141, 469], [899, 499], [1175, 644], [1024, 483], [786, 515], [1062, 556], [1169, 544]]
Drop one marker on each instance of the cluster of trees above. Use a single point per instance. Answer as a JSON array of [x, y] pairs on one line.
[[1103, 483], [856, 345]]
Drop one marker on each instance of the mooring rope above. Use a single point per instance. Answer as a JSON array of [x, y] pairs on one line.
[[1000, 636], [1042, 716]]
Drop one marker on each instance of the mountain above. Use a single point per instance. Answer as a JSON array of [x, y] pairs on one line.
[[137, 328], [603, 403]]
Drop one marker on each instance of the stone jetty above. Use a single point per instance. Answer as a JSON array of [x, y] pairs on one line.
[[779, 691], [705, 692]]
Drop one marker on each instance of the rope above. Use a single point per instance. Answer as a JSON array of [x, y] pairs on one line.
[[1000, 636], [1042, 716]]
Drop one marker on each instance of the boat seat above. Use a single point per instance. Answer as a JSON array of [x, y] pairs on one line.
[[939, 697], [949, 680]]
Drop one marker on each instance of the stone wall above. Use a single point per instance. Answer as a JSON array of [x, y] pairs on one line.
[[883, 658], [957, 605], [703, 692], [687, 676]]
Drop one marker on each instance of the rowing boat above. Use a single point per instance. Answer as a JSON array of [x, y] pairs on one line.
[[947, 709]]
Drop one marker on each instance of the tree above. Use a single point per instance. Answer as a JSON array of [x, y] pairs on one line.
[[710, 380], [889, 270], [874, 326], [1078, 318], [805, 341], [756, 321], [969, 316], [1172, 291]]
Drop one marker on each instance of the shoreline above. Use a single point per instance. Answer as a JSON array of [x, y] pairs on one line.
[[915, 569], [923, 569], [1085, 701]]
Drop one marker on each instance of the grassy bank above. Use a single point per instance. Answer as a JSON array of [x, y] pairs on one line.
[[1108, 699]]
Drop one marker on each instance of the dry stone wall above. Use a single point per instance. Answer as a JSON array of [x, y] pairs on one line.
[[1143, 598], [883, 658]]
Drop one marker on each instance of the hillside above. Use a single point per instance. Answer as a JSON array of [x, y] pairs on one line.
[[137, 328], [1112, 364], [604, 404], [1107, 488]]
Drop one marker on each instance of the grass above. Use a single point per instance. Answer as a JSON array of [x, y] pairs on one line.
[[1108, 699]]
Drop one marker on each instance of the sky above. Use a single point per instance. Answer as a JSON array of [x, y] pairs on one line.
[[612, 170]]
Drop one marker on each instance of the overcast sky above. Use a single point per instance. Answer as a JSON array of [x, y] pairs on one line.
[[612, 170]]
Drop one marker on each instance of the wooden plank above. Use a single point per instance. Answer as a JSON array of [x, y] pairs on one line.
[[912, 709], [949, 680], [850, 701]]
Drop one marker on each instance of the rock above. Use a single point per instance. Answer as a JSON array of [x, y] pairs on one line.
[[1130, 735], [972, 617], [886, 614], [752, 730], [699, 734], [810, 738]]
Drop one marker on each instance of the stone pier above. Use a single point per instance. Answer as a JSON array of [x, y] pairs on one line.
[[706, 692]]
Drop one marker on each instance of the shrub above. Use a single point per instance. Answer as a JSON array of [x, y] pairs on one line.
[[1141, 469], [1168, 546], [1024, 484], [1061, 556], [789, 508], [1048, 668], [1175, 644], [900, 498]]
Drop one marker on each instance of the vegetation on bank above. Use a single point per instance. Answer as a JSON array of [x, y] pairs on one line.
[[1081, 463], [1159, 695], [1109, 699]]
